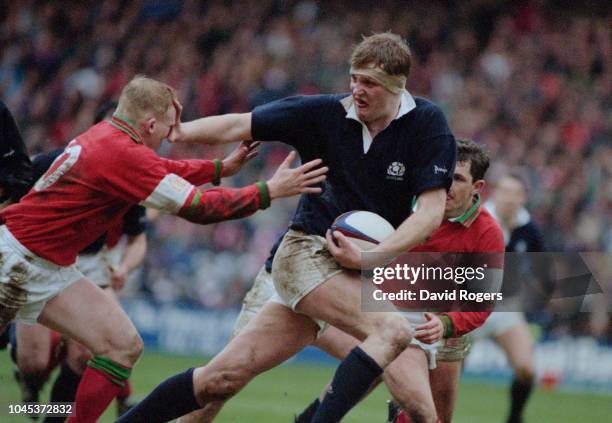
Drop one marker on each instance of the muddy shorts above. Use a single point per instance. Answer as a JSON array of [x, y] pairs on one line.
[[27, 281]]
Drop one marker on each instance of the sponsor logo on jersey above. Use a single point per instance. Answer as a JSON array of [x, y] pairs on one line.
[[441, 170]]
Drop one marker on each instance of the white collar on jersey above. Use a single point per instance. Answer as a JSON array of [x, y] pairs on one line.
[[407, 104]]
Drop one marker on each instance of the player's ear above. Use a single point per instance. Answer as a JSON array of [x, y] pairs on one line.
[[149, 125], [478, 186]]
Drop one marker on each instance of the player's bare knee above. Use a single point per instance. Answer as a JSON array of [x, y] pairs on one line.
[[221, 384], [135, 348], [78, 361], [396, 331], [33, 364], [525, 373], [420, 412], [125, 348]]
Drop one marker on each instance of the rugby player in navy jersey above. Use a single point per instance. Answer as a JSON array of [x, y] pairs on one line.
[[15, 171], [15, 165], [383, 147], [510, 329], [468, 228]]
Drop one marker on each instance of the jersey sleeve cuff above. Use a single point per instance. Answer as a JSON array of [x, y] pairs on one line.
[[264, 195], [449, 328], [217, 175]]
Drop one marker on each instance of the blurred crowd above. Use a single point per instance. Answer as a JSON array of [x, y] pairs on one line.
[[532, 80]]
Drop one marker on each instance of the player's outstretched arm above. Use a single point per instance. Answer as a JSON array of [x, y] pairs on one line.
[[222, 129], [220, 204]]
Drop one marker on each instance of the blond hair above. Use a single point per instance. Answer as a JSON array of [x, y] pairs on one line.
[[386, 51], [143, 96]]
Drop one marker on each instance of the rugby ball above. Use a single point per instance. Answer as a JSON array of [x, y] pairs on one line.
[[364, 228]]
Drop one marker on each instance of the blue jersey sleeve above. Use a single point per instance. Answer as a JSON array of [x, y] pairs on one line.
[[292, 120], [436, 153]]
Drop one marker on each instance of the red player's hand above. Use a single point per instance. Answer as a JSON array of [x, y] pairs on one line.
[[431, 331], [237, 158]]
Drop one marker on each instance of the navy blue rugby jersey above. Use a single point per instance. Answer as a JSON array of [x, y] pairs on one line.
[[415, 153]]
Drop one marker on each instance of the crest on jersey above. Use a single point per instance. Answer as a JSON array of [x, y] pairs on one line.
[[396, 171]]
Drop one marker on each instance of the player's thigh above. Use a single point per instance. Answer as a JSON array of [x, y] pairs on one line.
[[407, 378], [86, 314], [33, 347], [336, 342], [254, 301], [112, 294], [444, 381], [517, 342], [337, 301], [273, 336]]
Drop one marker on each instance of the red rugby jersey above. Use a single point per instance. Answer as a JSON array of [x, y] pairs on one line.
[[101, 174], [474, 232]]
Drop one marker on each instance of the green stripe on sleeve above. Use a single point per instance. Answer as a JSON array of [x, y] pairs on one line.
[[217, 177], [194, 202], [448, 326], [264, 195]]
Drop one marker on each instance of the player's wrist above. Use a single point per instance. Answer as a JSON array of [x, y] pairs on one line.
[[218, 171], [265, 195], [447, 326]]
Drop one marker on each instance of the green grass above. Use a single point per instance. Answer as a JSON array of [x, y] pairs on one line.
[[276, 395]]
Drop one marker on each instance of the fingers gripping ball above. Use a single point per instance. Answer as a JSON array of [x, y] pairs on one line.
[[364, 228]]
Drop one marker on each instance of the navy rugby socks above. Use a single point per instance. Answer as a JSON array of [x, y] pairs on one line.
[[307, 415], [64, 389], [172, 398], [519, 394], [352, 380]]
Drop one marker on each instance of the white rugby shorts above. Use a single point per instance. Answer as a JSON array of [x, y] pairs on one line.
[[27, 281]]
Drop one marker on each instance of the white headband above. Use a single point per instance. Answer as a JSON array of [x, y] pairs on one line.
[[392, 83]]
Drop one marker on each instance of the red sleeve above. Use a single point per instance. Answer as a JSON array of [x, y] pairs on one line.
[[135, 171], [466, 321], [196, 172], [217, 204], [140, 176], [491, 244], [491, 241]]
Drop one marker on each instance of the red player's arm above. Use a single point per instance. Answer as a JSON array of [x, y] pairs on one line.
[[463, 322], [217, 204]]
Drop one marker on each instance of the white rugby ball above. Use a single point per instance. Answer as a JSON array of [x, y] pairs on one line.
[[364, 228]]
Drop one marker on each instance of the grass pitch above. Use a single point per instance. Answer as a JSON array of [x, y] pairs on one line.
[[275, 396]]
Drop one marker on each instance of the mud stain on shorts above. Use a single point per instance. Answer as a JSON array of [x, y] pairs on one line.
[[301, 262], [12, 294]]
